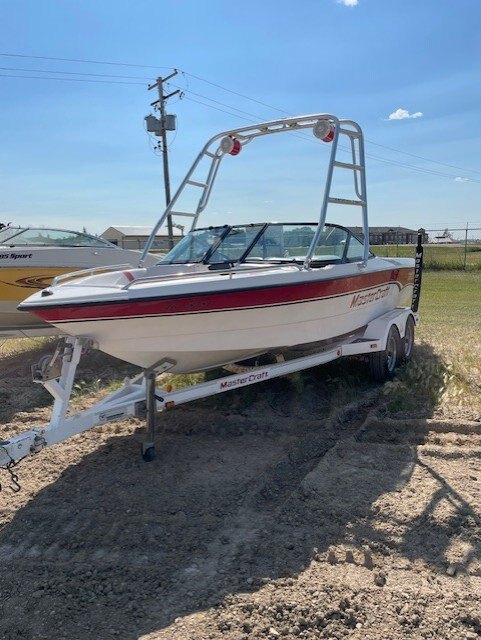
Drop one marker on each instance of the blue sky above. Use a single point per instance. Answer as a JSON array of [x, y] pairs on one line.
[[75, 154]]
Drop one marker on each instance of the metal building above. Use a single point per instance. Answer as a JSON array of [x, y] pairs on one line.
[[135, 237]]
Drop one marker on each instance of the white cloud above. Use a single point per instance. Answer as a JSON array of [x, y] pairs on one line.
[[348, 3], [459, 179], [402, 114]]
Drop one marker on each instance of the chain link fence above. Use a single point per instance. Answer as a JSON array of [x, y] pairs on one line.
[[456, 248]]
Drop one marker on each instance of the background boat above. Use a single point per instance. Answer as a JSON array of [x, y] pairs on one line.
[[30, 257]]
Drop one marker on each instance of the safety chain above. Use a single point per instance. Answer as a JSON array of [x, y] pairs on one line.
[[11, 464]]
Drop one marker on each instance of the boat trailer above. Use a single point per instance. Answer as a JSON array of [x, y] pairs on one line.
[[140, 397]]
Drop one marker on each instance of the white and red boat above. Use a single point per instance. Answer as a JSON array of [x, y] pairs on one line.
[[224, 294]]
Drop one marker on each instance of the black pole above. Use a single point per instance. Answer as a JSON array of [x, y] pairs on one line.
[[418, 271]]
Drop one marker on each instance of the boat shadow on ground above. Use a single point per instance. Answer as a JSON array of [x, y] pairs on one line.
[[254, 490]]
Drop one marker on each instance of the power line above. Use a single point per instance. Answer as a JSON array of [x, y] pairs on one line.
[[140, 66], [236, 93], [9, 75], [413, 155], [372, 157], [450, 223], [367, 140], [75, 73], [377, 158], [114, 64], [229, 106], [421, 169], [229, 113], [223, 88], [105, 75]]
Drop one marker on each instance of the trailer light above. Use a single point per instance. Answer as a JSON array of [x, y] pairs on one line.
[[230, 145], [170, 404], [324, 130], [168, 388]]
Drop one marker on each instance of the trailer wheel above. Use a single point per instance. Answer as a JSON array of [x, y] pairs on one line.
[[149, 454], [408, 340], [383, 363]]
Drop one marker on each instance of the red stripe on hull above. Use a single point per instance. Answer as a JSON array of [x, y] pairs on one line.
[[222, 300]]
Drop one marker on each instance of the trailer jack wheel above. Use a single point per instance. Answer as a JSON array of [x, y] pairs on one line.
[[383, 363], [148, 453]]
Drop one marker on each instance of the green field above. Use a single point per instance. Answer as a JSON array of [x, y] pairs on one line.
[[451, 304], [436, 257], [445, 373]]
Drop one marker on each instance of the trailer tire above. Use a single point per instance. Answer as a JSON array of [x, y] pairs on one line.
[[149, 454], [408, 340], [383, 363]]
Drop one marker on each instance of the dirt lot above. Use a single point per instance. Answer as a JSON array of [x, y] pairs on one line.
[[266, 514]]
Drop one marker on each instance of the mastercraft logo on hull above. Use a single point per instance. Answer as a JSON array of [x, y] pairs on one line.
[[361, 299]]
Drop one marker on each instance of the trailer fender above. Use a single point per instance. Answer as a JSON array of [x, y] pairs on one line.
[[378, 329]]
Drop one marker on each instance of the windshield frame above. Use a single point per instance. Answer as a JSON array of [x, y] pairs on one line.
[[14, 231]]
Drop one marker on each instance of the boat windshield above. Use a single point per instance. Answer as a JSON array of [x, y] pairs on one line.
[[235, 243], [271, 242], [286, 242], [214, 245], [53, 237], [291, 242], [195, 246]]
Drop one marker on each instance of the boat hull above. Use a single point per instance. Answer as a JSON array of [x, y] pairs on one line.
[[204, 330]]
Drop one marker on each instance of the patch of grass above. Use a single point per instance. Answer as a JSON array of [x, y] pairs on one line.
[[451, 307], [418, 387], [436, 257], [100, 373], [16, 346], [83, 387], [446, 369], [182, 380]]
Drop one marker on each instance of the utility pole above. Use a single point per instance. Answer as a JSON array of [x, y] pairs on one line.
[[159, 127]]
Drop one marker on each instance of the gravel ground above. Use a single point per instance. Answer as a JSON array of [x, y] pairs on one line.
[[258, 519]]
